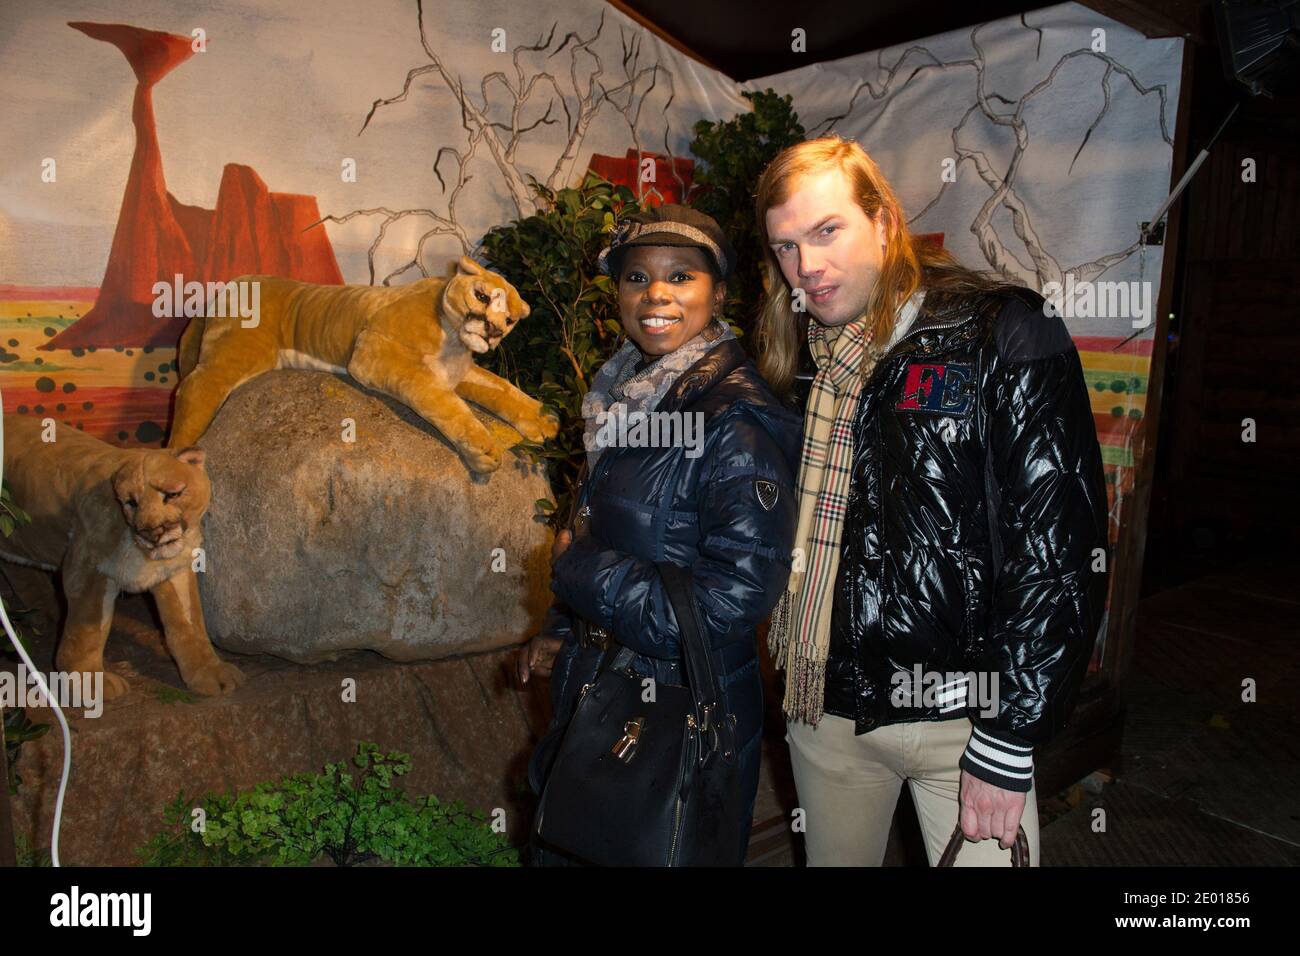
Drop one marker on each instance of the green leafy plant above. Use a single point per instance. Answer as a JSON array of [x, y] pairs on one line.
[[10, 514], [23, 620], [550, 258], [17, 728], [299, 819], [730, 156], [173, 695], [27, 855]]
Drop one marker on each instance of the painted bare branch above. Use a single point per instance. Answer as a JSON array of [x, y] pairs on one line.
[[501, 127], [1042, 267]]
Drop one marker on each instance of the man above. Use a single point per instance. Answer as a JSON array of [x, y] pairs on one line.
[[950, 562]]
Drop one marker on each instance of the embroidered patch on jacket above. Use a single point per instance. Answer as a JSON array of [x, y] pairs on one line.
[[931, 387], [767, 492]]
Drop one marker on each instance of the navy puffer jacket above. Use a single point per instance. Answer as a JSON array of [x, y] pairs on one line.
[[704, 512]]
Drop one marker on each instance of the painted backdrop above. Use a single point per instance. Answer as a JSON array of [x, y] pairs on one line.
[[371, 143]]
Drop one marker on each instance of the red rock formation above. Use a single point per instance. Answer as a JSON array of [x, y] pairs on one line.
[[252, 230], [257, 231], [626, 170]]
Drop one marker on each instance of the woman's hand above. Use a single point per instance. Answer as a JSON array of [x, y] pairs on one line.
[[537, 655], [562, 542]]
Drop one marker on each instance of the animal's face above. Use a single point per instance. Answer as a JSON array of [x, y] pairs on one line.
[[481, 306], [162, 495]]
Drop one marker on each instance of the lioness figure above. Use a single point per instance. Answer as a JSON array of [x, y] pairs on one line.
[[113, 519], [412, 342]]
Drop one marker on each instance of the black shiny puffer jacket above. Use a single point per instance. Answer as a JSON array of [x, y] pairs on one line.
[[976, 534]]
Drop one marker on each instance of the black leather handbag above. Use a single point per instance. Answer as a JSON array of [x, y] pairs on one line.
[[648, 774]]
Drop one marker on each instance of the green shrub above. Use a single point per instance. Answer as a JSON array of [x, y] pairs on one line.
[[550, 258], [730, 156], [298, 819]]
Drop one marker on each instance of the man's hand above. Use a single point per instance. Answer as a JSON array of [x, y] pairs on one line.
[[989, 811]]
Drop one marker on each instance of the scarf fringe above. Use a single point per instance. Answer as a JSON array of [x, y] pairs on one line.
[[778, 630], [803, 661], [805, 687]]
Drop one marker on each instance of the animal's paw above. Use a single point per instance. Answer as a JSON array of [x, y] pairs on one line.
[[550, 424], [115, 686], [483, 461], [215, 678], [538, 428]]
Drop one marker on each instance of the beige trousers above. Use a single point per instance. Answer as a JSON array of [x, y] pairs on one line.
[[848, 787]]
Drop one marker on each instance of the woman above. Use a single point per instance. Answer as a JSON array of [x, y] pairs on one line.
[[720, 500]]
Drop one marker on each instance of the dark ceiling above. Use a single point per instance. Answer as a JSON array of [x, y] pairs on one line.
[[751, 38]]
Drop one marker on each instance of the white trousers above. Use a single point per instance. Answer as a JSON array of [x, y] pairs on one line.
[[848, 788]]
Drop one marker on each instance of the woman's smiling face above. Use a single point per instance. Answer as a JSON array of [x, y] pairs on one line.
[[666, 296]]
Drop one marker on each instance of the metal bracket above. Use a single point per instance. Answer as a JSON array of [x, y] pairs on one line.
[[1156, 235]]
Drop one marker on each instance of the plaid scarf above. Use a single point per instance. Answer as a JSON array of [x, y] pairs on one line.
[[799, 634]]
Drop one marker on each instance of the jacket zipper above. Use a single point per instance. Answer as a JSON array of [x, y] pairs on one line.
[[880, 363], [912, 333]]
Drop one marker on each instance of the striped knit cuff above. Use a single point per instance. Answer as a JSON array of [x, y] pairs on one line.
[[1000, 759]]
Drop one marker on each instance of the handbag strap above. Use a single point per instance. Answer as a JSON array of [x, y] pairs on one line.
[[577, 496], [1019, 849], [700, 675]]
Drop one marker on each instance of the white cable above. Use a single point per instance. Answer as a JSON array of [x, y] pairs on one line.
[[45, 689]]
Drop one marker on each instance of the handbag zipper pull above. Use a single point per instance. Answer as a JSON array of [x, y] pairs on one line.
[[625, 748]]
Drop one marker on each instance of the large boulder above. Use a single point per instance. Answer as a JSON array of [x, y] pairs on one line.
[[318, 546]]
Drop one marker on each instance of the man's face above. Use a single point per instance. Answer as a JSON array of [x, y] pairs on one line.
[[827, 246], [666, 296]]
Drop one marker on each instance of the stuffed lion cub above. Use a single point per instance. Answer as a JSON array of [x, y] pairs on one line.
[[112, 520], [412, 342]]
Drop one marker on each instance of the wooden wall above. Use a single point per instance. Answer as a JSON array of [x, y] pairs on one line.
[[1234, 348]]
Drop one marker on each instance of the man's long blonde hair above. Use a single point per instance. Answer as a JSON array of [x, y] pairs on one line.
[[909, 264]]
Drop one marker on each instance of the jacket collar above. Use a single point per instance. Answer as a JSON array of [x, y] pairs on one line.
[[716, 364], [928, 321], [937, 322]]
